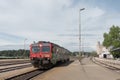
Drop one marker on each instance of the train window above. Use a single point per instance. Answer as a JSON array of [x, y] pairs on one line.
[[53, 50], [45, 49], [35, 49]]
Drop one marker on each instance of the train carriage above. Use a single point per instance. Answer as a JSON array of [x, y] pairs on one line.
[[46, 54]]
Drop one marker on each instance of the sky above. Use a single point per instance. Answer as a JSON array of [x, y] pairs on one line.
[[57, 21]]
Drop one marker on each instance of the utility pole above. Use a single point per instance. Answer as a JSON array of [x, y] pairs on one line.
[[80, 54], [24, 47]]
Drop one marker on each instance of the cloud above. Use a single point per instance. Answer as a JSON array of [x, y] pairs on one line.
[[96, 12], [53, 20], [9, 38], [14, 47], [76, 35]]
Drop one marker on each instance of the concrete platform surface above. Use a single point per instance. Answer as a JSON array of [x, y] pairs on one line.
[[87, 70]]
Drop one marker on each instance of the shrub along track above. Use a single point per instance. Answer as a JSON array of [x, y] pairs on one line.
[[5, 63]]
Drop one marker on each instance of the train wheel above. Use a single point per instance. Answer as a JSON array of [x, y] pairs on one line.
[[35, 65]]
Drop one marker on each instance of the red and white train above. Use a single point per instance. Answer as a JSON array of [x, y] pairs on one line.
[[46, 54]]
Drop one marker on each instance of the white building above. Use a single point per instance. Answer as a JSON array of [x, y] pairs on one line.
[[103, 52]]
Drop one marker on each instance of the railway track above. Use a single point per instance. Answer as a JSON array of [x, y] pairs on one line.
[[5, 63], [31, 74], [27, 75], [14, 68], [106, 65]]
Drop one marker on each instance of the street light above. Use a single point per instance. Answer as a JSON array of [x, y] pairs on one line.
[[24, 42], [80, 29], [24, 47]]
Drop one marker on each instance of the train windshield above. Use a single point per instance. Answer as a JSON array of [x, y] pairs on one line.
[[35, 49], [45, 49]]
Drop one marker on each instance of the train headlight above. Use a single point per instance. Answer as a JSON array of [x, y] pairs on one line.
[[47, 55], [40, 45]]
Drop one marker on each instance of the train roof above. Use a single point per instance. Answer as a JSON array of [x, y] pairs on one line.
[[47, 42], [50, 43]]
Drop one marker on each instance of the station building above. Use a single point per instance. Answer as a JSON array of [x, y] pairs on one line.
[[102, 51]]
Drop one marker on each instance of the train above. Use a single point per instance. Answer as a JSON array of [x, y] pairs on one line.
[[44, 54]]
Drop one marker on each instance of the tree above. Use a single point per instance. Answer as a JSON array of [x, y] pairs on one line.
[[112, 38], [107, 40], [15, 53]]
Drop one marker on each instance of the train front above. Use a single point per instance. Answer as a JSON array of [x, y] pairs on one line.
[[40, 54]]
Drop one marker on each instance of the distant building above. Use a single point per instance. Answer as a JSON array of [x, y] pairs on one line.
[[102, 51]]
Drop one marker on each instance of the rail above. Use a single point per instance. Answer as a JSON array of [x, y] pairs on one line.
[[14, 68], [26, 76], [109, 62]]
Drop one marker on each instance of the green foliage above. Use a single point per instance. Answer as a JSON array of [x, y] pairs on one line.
[[83, 53], [94, 54], [112, 39], [107, 40], [75, 53], [116, 54], [14, 53]]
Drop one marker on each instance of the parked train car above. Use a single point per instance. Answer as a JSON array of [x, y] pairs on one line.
[[46, 54]]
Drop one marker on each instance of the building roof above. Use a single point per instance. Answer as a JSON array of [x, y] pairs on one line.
[[116, 49]]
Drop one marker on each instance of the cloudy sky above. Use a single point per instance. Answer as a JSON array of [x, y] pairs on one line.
[[56, 21]]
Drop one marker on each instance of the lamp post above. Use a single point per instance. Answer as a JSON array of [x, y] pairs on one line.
[[80, 30], [24, 42], [24, 47]]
